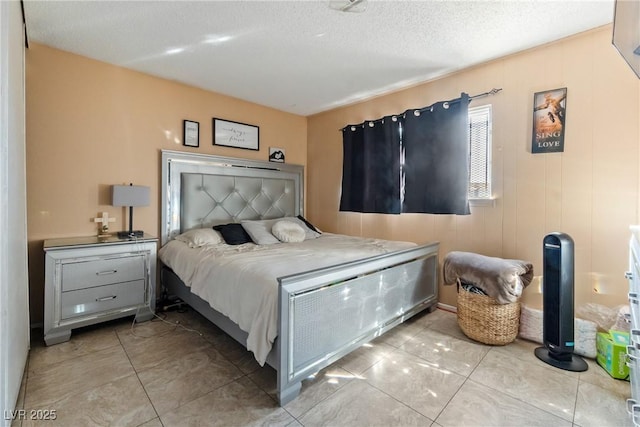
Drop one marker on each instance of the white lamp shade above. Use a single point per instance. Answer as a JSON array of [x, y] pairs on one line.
[[130, 195]]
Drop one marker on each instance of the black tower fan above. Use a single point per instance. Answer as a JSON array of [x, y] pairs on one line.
[[557, 300]]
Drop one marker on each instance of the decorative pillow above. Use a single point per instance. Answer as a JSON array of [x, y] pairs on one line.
[[200, 237], [309, 233], [288, 231], [233, 234], [260, 231]]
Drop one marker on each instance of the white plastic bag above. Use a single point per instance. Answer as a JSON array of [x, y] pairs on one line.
[[605, 317], [623, 320], [584, 335]]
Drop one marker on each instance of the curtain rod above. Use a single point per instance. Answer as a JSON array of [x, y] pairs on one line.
[[482, 95], [471, 98]]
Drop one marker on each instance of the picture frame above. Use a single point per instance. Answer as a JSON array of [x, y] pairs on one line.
[[235, 134], [276, 154], [549, 121], [190, 133]]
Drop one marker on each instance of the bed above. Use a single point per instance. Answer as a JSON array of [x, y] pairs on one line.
[[321, 306]]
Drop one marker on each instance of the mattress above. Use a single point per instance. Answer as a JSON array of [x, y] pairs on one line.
[[240, 281]]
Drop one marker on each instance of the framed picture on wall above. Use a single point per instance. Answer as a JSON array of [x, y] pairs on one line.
[[235, 134], [276, 154], [549, 120], [191, 133]]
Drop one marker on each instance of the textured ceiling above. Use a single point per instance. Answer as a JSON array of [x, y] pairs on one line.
[[302, 56]]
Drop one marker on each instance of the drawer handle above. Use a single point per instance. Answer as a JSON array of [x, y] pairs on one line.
[[106, 298], [104, 273], [634, 414]]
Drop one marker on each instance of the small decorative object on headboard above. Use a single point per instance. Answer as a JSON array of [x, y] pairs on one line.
[[103, 230]]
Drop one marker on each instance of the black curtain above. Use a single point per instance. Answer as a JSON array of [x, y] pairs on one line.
[[436, 167], [371, 167]]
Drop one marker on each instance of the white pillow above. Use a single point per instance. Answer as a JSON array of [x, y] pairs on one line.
[[288, 232], [309, 233], [200, 237], [260, 231]]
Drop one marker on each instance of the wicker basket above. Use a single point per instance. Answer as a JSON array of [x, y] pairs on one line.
[[482, 319]]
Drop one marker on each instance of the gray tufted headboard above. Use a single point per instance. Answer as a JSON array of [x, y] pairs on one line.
[[201, 190]]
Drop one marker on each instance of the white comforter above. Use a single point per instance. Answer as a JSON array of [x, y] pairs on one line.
[[241, 281]]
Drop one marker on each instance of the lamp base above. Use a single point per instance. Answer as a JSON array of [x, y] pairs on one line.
[[130, 234]]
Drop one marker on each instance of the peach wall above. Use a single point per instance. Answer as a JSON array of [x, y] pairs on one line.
[[91, 125], [590, 191]]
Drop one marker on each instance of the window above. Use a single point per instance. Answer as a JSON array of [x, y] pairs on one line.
[[480, 157]]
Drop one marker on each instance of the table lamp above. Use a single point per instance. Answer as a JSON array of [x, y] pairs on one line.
[[130, 195]]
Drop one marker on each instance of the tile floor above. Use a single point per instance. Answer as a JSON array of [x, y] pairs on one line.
[[424, 372]]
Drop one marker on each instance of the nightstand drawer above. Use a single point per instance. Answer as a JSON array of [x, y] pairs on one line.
[[103, 298], [99, 272]]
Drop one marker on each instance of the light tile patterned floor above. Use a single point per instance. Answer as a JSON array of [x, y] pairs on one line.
[[424, 372]]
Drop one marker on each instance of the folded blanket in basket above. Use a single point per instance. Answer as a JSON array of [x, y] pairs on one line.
[[501, 279]]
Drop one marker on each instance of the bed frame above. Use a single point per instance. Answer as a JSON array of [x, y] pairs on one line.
[[323, 314]]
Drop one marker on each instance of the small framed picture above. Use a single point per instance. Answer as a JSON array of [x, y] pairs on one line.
[[235, 134], [276, 154], [191, 133]]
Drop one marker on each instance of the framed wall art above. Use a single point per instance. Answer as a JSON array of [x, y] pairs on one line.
[[276, 154], [235, 134], [549, 121], [191, 133]]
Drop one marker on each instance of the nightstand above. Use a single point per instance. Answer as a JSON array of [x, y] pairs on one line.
[[90, 280]]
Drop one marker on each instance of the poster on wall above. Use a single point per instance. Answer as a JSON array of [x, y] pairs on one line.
[[549, 114]]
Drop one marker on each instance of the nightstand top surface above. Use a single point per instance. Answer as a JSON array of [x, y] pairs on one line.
[[93, 241]]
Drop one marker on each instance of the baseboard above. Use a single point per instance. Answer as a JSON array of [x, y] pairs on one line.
[[447, 307]]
